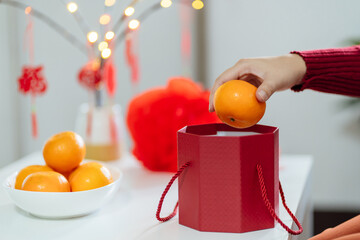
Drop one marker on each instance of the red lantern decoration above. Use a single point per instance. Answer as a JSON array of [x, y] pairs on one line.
[[155, 116], [90, 76]]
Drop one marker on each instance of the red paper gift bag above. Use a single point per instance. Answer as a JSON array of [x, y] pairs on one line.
[[228, 178]]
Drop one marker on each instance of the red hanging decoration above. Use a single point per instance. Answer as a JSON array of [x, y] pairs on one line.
[[34, 125], [113, 129], [109, 74], [33, 82], [90, 76], [186, 44], [131, 57], [110, 77], [89, 123], [186, 21]]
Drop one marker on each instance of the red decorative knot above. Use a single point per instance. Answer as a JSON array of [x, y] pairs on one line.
[[90, 76], [32, 80]]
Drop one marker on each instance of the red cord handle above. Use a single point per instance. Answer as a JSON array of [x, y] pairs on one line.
[[263, 194], [271, 209], [177, 174]]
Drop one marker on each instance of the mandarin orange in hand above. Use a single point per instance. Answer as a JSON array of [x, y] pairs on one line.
[[64, 151], [89, 176], [236, 104], [27, 171], [46, 182]]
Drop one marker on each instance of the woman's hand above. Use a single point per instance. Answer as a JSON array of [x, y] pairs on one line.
[[269, 74]]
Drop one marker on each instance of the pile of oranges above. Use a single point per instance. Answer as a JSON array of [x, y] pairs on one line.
[[63, 154]]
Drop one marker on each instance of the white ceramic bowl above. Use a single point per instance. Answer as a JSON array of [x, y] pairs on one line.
[[62, 204]]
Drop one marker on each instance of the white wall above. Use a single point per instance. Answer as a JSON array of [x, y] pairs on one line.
[[160, 58], [9, 145], [310, 122]]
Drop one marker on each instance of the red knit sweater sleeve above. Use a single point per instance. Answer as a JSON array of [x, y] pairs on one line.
[[334, 70]]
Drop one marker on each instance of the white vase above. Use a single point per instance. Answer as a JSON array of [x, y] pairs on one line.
[[103, 130]]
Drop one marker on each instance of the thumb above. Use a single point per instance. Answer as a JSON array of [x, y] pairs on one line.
[[264, 92]]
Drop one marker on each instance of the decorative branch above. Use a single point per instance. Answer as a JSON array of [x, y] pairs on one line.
[[119, 22], [71, 38], [84, 27], [144, 15], [58, 28]]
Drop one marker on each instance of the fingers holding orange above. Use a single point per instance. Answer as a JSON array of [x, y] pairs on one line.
[[237, 71], [236, 104], [230, 73]]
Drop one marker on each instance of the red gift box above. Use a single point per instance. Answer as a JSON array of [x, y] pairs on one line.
[[228, 179], [220, 191]]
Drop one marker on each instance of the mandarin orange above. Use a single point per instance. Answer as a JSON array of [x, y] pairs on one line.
[[46, 182], [236, 104], [27, 171], [64, 151], [89, 176]]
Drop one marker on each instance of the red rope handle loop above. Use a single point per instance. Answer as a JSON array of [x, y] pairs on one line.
[[271, 209], [176, 175]]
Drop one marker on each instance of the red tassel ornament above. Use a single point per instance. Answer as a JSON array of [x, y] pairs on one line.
[[33, 82], [131, 56]]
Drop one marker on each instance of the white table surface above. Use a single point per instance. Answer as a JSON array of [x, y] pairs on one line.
[[131, 213]]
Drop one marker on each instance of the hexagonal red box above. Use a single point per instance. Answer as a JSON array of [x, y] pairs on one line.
[[219, 191]]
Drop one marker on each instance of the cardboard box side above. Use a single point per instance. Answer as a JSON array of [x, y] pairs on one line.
[[188, 184], [276, 172], [254, 150], [219, 184]]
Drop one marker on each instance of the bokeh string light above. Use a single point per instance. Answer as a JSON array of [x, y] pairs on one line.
[[134, 24], [166, 3], [109, 3], [92, 37], [129, 11], [106, 53], [109, 35], [72, 7], [104, 19], [197, 4], [28, 10], [103, 45]]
